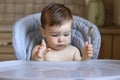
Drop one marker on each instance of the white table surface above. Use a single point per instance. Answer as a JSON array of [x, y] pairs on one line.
[[75, 70]]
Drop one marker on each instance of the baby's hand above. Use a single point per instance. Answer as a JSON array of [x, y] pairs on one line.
[[41, 51], [87, 51]]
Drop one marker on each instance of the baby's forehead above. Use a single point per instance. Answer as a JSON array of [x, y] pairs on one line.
[[59, 30]]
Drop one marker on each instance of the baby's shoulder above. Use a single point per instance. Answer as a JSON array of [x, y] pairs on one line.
[[73, 49]]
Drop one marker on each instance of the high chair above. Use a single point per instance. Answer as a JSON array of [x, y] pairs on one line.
[[26, 34]]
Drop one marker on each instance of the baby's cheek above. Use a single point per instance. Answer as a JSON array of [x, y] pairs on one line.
[[68, 40]]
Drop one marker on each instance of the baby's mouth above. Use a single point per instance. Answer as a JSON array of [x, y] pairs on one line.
[[62, 46]]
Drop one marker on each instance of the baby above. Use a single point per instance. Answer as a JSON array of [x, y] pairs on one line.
[[56, 27]]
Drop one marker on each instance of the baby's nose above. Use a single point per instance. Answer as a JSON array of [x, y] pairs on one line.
[[61, 39]]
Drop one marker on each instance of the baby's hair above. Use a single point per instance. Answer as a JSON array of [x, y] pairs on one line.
[[55, 14]]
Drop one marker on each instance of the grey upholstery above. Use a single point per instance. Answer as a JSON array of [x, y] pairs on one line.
[[26, 35]]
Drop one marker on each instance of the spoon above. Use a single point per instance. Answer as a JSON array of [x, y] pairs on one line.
[[90, 34]]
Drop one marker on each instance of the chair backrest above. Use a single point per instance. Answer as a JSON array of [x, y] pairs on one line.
[[26, 34]]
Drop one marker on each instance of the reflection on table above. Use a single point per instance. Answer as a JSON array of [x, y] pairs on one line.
[[41, 70]]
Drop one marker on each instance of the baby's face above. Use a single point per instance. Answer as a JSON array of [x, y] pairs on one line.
[[58, 37]]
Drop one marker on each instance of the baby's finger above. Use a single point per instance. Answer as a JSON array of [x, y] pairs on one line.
[[90, 53], [90, 49], [40, 48], [90, 45], [39, 56], [43, 43], [86, 43]]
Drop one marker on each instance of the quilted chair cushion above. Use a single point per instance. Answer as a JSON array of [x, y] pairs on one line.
[[26, 35]]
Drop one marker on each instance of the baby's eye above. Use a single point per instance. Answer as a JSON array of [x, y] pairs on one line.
[[54, 35], [67, 34]]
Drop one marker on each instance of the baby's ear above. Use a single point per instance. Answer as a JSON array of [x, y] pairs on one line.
[[42, 31]]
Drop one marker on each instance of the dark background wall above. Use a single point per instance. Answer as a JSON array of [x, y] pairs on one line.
[[13, 10]]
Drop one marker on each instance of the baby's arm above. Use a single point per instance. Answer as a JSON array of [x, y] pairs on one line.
[[87, 51], [76, 56], [39, 51]]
